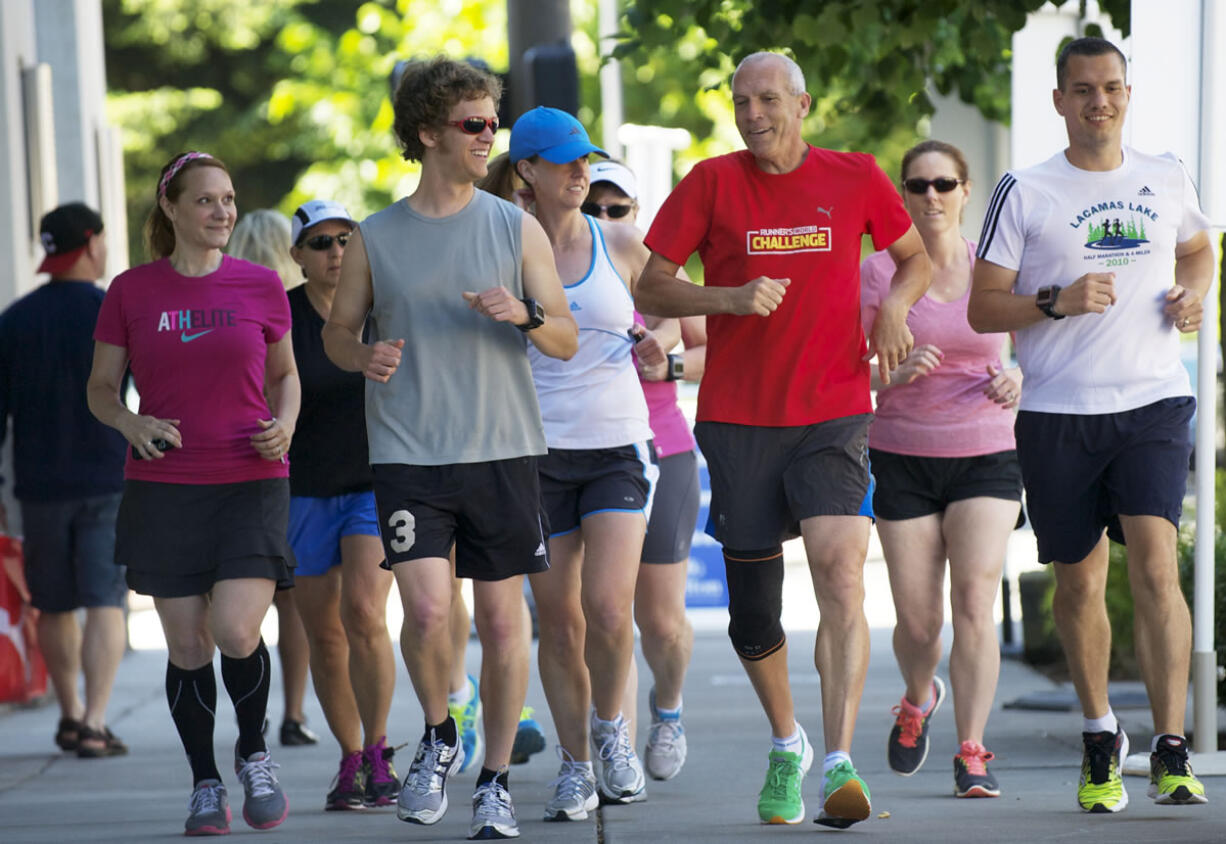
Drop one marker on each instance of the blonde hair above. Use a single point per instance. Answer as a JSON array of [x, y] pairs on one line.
[[263, 237]]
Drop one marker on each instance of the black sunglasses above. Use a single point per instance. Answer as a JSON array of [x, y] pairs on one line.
[[943, 185], [475, 125], [323, 242], [615, 211]]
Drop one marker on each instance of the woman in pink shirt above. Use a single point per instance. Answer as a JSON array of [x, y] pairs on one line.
[[948, 482], [202, 524]]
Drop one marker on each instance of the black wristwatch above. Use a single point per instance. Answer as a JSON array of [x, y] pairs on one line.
[[676, 368], [536, 314], [1046, 301]]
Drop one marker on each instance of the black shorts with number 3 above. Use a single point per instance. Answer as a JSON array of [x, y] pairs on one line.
[[490, 511]]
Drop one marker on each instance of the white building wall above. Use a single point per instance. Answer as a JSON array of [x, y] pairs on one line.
[[18, 232]]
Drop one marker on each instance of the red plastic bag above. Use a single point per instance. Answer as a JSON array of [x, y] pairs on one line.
[[23, 674]]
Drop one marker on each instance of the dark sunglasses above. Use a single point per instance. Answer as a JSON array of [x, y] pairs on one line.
[[475, 125], [615, 211], [943, 185], [323, 242]]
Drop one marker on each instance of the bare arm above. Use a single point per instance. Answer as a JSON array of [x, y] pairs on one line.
[[890, 339], [994, 307], [559, 336], [102, 393], [342, 335], [659, 291], [284, 393]]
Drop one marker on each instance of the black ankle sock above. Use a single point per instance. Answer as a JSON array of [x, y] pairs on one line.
[[503, 777], [247, 681], [445, 731], [192, 696]]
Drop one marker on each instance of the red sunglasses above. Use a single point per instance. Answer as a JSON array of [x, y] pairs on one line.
[[475, 125]]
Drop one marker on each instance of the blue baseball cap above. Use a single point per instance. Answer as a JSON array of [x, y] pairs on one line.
[[553, 135]]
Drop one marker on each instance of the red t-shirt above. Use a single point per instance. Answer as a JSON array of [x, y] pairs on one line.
[[197, 349], [802, 364]]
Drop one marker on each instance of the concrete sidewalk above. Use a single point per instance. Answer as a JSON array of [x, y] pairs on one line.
[[46, 796]]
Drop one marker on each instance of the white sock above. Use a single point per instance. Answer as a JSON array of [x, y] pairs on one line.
[[465, 694], [794, 743], [833, 759], [598, 721], [669, 714], [1105, 724]]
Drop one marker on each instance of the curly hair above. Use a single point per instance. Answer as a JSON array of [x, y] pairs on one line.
[[427, 92], [159, 232]]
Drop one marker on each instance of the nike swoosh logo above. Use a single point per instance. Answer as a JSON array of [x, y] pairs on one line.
[[187, 338]]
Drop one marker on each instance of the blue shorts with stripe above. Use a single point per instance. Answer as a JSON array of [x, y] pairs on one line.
[[316, 526]]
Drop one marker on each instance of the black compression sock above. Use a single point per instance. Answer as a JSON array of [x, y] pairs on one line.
[[192, 696], [247, 680]]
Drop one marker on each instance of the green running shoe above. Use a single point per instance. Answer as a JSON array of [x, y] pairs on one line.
[[845, 798], [1171, 781], [779, 801], [1101, 788]]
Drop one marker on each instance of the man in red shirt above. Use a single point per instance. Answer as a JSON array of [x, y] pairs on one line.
[[784, 406]]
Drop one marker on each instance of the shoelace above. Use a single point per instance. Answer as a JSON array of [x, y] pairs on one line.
[[258, 778], [492, 801], [572, 779], [206, 800], [665, 734], [975, 757], [1098, 757], [781, 776], [346, 777], [911, 720], [379, 756], [1173, 761], [616, 749], [426, 768]]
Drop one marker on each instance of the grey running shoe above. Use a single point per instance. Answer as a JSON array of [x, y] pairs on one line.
[[493, 813], [574, 792], [621, 774], [264, 803], [348, 789], [665, 751], [423, 798], [209, 810]]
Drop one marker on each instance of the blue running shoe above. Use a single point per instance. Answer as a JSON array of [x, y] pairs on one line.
[[467, 716], [529, 738]]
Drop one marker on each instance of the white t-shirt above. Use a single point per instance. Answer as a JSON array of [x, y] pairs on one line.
[[1053, 223]]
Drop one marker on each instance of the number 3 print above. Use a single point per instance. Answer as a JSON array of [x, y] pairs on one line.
[[403, 523]]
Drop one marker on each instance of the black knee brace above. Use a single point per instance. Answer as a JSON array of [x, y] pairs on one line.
[[755, 601]]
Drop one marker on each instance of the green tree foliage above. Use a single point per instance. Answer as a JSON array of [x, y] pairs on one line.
[[871, 65]]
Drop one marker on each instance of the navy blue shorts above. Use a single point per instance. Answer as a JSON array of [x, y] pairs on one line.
[[70, 553], [576, 483], [766, 481], [910, 486], [316, 526], [1082, 472]]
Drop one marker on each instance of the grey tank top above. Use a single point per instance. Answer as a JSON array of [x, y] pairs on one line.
[[463, 392]]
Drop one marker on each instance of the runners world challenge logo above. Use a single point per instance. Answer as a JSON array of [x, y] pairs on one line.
[[1115, 227]]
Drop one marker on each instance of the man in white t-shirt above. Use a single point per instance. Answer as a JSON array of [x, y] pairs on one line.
[[1076, 257]]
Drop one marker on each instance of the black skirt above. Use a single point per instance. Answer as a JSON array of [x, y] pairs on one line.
[[179, 539]]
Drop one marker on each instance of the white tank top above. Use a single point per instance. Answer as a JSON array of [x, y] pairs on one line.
[[594, 400]]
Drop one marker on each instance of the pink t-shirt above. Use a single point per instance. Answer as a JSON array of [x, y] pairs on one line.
[[669, 429], [943, 413], [197, 348]]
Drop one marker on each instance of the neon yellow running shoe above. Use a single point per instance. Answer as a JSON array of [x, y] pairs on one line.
[[467, 716], [1101, 788], [845, 798], [1171, 781]]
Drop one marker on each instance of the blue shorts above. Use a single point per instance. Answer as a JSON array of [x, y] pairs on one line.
[[70, 554], [316, 526], [1082, 472]]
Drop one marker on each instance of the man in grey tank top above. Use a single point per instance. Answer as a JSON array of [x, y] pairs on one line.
[[452, 415]]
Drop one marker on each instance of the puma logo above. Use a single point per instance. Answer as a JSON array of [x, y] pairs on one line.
[[826, 211]]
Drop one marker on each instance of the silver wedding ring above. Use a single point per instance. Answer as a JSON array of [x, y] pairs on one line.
[[1183, 323]]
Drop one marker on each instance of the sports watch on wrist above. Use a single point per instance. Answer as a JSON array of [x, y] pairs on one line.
[[536, 314], [1045, 301], [676, 368]]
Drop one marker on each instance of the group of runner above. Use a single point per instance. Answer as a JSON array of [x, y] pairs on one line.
[[513, 370]]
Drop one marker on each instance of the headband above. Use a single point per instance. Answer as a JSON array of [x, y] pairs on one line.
[[176, 167]]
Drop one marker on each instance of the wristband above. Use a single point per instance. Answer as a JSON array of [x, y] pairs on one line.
[[676, 368]]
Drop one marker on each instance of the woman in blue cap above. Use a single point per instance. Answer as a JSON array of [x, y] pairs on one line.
[[598, 476]]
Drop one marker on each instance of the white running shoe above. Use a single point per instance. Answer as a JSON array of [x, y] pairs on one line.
[[423, 798], [665, 751], [574, 792], [621, 777], [493, 813]]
